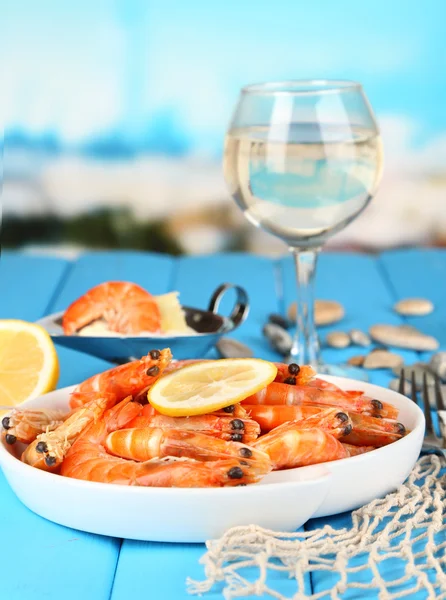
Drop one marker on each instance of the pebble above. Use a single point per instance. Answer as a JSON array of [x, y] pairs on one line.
[[279, 320], [403, 336], [356, 361], [326, 312], [437, 364], [278, 337], [338, 339], [414, 307], [229, 348], [419, 369], [360, 338], [382, 359]]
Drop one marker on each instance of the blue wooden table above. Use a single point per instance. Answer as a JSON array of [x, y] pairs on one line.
[[41, 560]]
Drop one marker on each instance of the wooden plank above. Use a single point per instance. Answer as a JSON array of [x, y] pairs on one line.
[[40, 559], [160, 570], [28, 284]]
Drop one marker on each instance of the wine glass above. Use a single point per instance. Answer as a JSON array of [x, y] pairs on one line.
[[302, 159]]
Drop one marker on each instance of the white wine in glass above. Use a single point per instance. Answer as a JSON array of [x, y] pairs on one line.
[[302, 159]]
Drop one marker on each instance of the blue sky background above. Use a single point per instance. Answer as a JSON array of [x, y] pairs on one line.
[[163, 75]]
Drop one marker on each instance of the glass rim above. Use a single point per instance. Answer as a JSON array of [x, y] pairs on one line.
[[300, 87]]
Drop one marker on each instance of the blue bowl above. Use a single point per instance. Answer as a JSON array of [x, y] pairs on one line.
[[209, 325]]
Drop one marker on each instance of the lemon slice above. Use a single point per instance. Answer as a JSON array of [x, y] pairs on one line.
[[29, 365], [204, 387]]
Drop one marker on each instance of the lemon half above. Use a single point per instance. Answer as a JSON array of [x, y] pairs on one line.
[[29, 365], [201, 388]]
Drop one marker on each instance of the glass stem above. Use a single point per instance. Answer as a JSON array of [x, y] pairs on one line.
[[305, 349]]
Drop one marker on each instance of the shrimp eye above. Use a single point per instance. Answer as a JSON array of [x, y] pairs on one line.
[[155, 354], [400, 428], [342, 417], [6, 423], [290, 380], [229, 409], [41, 447], [235, 473], [50, 460], [245, 452], [293, 369], [153, 371], [237, 424], [237, 437], [377, 404], [10, 439], [348, 429]]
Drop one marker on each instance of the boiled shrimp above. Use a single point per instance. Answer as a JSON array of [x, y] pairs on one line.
[[369, 431], [142, 444], [220, 425], [282, 393], [88, 459], [126, 380], [48, 450], [25, 425], [125, 307], [291, 446], [269, 416]]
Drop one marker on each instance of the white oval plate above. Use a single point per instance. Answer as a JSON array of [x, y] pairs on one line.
[[283, 500]]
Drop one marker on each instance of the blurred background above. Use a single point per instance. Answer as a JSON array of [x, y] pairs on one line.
[[115, 113]]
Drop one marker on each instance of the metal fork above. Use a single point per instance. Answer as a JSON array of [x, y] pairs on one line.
[[433, 443]]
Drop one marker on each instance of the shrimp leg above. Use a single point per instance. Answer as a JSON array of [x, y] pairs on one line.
[[48, 450], [25, 425]]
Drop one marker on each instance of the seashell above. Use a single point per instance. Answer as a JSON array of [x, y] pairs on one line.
[[437, 364], [360, 338], [356, 361], [414, 307], [279, 320], [229, 348], [326, 312], [338, 339], [278, 337], [419, 369], [402, 336], [382, 359]]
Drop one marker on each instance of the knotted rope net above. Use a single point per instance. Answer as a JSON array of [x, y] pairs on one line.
[[408, 525]]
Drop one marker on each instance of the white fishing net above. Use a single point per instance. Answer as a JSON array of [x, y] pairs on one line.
[[408, 525]]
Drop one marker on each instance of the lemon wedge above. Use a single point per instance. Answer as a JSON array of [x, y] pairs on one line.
[[29, 365], [201, 388]]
